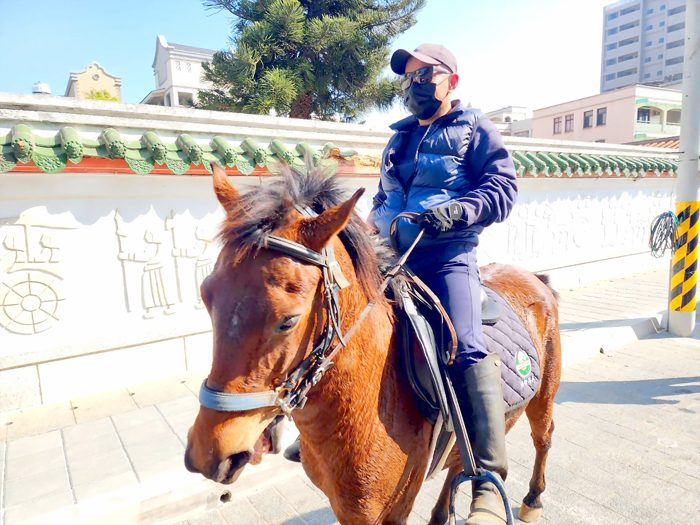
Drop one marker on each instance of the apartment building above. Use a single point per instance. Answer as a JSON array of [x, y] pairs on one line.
[[620, 116], [643, 43]]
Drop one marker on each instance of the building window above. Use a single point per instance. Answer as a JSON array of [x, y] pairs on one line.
[[613, 16], [587, 119], [649, 28], [602, 116], [677, 76], [649, 115], [167, 99], [660, 57], [676, 27], [611, 76], [557, 125], [658, 73], [612, 31], [677, 43], [627, 72], [189, 67], [650, 11], [628, 41], [625, 27], [625, 58], [600, 140], [672, 61], [663, 6], [673, 116], [648, 44], [647, 75], [522, 134], [569, 123], [611, 46], [177, 65], [676, 10], [662, 23], [661, 40], [647, 59], [629, 10], [610, 62]]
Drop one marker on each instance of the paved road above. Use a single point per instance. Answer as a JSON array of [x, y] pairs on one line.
[[626, 450]]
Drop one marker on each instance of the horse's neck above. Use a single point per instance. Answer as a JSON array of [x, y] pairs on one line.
[[362, 420]]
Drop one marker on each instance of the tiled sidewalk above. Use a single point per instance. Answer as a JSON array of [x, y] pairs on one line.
[[117, 449], [625, 451]]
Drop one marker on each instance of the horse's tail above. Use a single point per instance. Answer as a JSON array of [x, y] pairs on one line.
[[547, 281]]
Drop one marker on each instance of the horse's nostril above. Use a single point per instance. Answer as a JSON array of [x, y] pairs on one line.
[[229, 469], [188, 463]]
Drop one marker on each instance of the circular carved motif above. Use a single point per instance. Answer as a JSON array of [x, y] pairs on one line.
[[30, 302], [95, 76]]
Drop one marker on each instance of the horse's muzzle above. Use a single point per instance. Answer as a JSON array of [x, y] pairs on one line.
[[226, 471]]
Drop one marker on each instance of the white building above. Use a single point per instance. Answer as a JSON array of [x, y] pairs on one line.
[[512, 121], [620, 116], [642, 43], [178, 73]]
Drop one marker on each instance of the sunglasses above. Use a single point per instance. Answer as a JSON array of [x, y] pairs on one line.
[[423, 75]]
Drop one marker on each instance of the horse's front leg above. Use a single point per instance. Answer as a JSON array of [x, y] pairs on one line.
[[441, 510]]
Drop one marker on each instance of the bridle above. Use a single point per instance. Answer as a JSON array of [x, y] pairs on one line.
[[293, 392]]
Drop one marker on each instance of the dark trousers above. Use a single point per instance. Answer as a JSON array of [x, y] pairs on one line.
[[452, 274]]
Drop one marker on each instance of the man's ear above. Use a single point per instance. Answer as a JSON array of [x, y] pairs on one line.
[[454, 81]]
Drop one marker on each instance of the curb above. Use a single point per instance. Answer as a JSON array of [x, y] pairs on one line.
[[578, 346]]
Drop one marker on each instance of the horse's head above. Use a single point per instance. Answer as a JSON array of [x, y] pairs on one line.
[[266, 313]]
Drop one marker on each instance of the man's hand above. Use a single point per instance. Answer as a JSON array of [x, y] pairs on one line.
[[440, 219]]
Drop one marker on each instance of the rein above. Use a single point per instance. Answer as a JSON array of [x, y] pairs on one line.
[[293, 392]]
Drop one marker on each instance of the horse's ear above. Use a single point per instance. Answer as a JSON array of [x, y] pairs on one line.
[[318, 231], [226, 193]]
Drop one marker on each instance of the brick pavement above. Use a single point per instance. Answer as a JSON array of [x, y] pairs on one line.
[[626, 450]]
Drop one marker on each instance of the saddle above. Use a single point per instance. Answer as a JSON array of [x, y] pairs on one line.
[[429, 344]]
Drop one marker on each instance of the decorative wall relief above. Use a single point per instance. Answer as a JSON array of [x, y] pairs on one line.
[[203, 250], [31, 292], [155, 292]]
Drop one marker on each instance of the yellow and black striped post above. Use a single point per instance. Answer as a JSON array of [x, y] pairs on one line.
[[684, 272]]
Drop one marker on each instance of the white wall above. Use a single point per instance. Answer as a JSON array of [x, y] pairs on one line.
[[104, 336]]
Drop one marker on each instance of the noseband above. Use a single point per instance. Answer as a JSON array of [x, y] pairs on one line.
[[292, 393]]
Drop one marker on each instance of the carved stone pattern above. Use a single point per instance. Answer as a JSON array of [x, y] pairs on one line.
[[51, 164], [159, 152], [23, 149], [140, 166], [74, 150], [195, 154], [245, 165], [116, 149], [230, 156], [261, 157], [7, 162], [177, 166], [31, 302]]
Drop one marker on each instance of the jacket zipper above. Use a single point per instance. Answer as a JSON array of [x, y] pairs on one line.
[[415, 167]]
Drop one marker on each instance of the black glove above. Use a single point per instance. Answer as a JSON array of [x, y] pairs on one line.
[[440, 219]]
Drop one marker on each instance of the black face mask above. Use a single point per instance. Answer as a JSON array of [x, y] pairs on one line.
[[420, 100]]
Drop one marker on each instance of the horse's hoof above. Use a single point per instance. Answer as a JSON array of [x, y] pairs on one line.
[[529, 514]]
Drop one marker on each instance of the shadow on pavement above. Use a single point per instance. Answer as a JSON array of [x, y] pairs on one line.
[[642, 392], [315, 517]]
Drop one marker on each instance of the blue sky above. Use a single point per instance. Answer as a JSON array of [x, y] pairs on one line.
[[531, 53]]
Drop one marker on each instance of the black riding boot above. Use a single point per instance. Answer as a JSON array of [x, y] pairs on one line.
[[480, 396], [292, 452]]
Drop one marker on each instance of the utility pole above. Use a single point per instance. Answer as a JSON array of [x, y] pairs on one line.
[[684, 272]]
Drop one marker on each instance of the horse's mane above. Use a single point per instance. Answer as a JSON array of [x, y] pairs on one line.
[[265, 209]]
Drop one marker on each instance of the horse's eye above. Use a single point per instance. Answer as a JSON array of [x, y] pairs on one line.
[[288, 323]]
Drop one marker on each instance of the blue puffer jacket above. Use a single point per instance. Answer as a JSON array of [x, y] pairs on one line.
[[461, 158]]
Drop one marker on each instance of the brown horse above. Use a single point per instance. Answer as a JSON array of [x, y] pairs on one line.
[[364, 442]]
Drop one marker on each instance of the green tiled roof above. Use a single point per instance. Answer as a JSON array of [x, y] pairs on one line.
[[559, 164], [53, 154]]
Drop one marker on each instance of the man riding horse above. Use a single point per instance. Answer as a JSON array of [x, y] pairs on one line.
[[449, 164]]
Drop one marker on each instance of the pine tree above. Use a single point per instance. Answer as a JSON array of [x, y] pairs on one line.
[[307, 58]]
